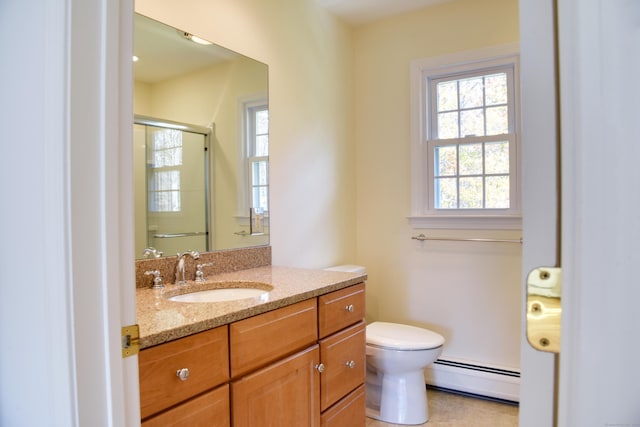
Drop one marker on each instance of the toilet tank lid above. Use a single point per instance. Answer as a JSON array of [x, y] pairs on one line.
[[348, 268], [402, 337]]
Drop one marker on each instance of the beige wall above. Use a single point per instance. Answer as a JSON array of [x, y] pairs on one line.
[[309, 54], [336, 91], [469, 292]]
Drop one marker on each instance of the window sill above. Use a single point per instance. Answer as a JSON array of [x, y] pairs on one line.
[[243, 220], [467, 222]]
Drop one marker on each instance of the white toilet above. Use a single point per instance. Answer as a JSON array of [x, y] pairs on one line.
[[396, 357]]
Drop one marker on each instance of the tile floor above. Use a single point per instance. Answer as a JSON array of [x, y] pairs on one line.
[[452, 410]]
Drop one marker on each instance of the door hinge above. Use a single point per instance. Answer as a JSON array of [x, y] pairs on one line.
[[130, 340], [544, 308]]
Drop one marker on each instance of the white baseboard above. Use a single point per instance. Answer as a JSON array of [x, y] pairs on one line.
[[480, 380]]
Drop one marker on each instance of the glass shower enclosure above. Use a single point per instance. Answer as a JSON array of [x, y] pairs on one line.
[[171, 186]]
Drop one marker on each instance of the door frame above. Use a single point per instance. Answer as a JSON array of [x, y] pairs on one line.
[[540, 194]]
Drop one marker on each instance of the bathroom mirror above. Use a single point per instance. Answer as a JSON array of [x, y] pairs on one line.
[[185, 89]]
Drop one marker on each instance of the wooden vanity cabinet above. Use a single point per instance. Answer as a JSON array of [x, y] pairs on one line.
[[265, 338], [348, 412], [208, 409], [206, 357], [285, 389], [299, 365], [342, 351], [339, 309], [323, 383], [344, 364], [282, 394]]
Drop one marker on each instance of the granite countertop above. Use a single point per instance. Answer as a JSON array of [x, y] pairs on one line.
[[161, 320]]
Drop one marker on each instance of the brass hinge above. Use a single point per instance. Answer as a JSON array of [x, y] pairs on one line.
[[130, 340], [544, 308]]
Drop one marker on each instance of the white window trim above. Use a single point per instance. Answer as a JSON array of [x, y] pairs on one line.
[[243, 201], [420, 216]]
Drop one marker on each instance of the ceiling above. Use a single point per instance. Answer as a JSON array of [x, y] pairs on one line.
[[358, 12], [155, 42]]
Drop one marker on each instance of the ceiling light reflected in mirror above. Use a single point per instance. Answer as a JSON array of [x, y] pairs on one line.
[[193, 38]]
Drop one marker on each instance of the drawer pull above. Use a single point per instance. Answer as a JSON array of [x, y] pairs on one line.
[[350, 308], [320, 367], [351, 364], [183, 374]]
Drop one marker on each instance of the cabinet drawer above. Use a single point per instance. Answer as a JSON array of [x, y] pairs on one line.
[[205, 355], [343, 356], [260, 340], [282, 394], [209, 409], [350, 411], [340, 309]]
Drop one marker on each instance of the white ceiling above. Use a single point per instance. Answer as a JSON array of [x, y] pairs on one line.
[[154, 42], [362, 11]]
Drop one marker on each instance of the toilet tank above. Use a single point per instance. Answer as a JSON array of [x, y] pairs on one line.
[[348, 268]]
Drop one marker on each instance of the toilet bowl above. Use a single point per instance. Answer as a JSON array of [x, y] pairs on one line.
[[396, 357]]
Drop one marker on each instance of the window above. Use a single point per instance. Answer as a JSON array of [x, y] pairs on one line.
[[258, 158], [465, 143], [471, 132], [164, 160], [253, 184]]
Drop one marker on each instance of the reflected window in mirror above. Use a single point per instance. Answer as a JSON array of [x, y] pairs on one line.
[[257, 117], [164, 160]]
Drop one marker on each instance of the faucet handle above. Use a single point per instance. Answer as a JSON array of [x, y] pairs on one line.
[[157, 279], [199, 273], [151, 251]]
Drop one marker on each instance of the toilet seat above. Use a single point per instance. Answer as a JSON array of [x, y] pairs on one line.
[[402, 337]]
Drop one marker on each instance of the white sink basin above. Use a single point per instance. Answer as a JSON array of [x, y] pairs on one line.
[[223, 294]]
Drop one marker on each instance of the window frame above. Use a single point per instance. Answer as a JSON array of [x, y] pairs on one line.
[[423, 72], [246, 157], [252, 158]]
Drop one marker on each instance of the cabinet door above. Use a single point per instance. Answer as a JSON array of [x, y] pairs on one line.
[[281, 395], [343, 357], [349, 412], [340, 309], [265, 338], [205, 355], [207, 410]]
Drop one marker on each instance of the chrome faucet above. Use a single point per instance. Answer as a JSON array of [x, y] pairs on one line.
[[180, 276], [151, 251]]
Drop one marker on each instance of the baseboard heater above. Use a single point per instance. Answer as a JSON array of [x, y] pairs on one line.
[[474, 379]]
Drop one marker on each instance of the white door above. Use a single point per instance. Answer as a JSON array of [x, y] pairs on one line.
[[67, 284], [540, 193], [597, 381]]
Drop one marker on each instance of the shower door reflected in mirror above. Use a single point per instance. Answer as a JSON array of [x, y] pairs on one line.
[[172, 164]]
